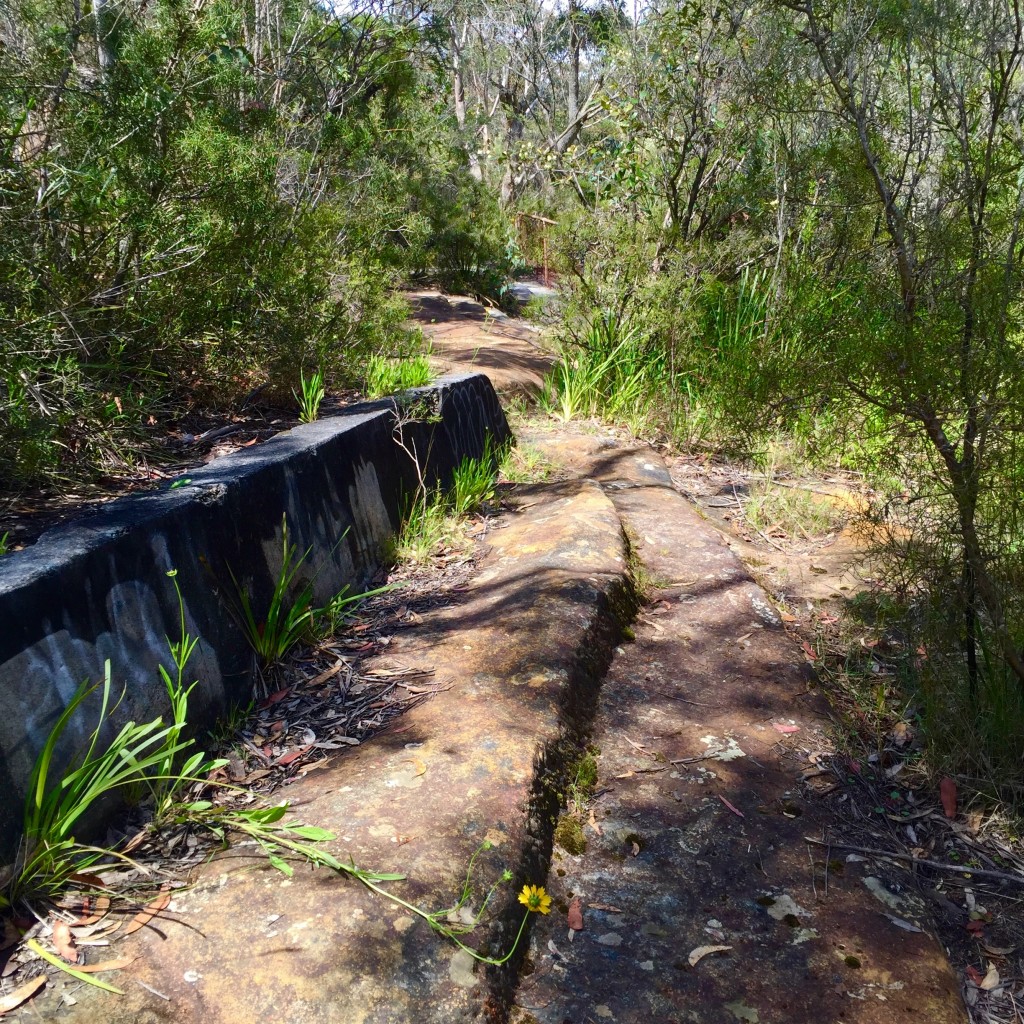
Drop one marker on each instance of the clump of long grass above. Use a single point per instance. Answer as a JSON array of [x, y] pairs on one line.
[[312, 394], [289, 616], [141, 757], [386, 376], [435, 518], [612, 372]]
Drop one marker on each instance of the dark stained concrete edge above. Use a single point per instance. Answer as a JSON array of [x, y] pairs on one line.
[[96, 589]]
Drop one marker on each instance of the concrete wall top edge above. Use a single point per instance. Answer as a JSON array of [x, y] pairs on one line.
[[93, 527]]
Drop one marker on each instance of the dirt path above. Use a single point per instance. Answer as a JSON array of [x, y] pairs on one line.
[[467, 337]]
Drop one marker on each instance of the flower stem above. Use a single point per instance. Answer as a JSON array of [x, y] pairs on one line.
[[440, 928]]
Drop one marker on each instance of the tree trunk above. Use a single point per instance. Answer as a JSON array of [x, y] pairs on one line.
[[459, 100], [104, 46]]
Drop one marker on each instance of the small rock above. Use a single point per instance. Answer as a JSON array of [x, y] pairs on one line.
[[744, 1013], [460, 970]]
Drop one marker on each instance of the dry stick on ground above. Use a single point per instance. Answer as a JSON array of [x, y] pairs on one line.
[[959, 869], [684, 700]]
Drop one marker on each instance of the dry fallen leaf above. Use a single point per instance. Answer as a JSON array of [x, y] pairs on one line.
[[278, 695], [997, 950], [947, 794], [698, 954], [136, 840], [64, 942], [143, 917], [606, 907], [735, 810], [901, 734], [21, 993], [575, 914], [991, 979], [328, 673], [593, 823], [85, 878], [292, 755], [786, 730]]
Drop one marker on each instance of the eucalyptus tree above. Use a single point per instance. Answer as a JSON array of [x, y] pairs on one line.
[[524, 79], [926, 100]]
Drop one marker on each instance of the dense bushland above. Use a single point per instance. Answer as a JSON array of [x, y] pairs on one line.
[[199, 200], [801, 217]]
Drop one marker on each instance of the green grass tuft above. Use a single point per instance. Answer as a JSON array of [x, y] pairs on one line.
[[388, 376]]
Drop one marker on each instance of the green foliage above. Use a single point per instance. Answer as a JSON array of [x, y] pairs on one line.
[[427, 528], [773, 505], [522, 463], [612, 371], [213, 208], [474, 483], [292, 615], [434, 519], [312, 395], [49, 853], [170, 777], [331, 619], [570, 836], [386, 376], [142, 757], [470, 248], [289, 615]]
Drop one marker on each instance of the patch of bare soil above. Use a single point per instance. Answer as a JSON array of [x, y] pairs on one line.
[[467, 337]]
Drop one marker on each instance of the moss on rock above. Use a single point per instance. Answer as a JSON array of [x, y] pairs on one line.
[[569, 835]]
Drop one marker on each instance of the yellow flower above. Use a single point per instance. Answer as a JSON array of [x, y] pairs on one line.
[[534, 898]]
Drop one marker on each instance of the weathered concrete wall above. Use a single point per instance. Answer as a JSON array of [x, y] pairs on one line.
[[97, 589]]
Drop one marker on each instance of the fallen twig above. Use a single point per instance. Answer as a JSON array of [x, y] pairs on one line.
[[684, 700], [936, 865]]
